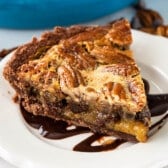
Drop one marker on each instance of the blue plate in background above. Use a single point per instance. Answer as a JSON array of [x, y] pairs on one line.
[[34, 14]]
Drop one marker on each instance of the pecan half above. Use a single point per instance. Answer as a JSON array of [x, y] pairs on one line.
[[121, 69], [114, 89], [69, 77], [162, 30]]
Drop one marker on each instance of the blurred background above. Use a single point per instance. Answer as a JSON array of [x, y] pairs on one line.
[[22, 19], [38, 14]]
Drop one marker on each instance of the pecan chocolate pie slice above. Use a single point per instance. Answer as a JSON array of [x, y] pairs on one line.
[[84, 75]]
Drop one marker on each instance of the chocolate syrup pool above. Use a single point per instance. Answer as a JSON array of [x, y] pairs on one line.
[[52, 129]]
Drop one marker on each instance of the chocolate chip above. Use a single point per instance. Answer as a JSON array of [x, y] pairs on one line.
[[78, 107]]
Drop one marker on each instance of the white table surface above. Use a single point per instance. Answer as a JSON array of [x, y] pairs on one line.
[[11, 38]]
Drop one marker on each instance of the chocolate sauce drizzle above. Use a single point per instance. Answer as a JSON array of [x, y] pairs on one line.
[[158, 105], [86, 144], [52, 129]]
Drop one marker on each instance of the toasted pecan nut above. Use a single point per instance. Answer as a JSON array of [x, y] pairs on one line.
[[162, 30], [121, 69], [69, 77], [113, 89]]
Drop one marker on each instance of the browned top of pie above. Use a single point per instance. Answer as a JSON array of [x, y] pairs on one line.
[[81, 64]]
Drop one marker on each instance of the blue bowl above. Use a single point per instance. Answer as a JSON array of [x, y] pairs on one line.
[[35, 14]]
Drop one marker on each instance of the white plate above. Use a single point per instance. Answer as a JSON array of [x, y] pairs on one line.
[[20, 146]]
